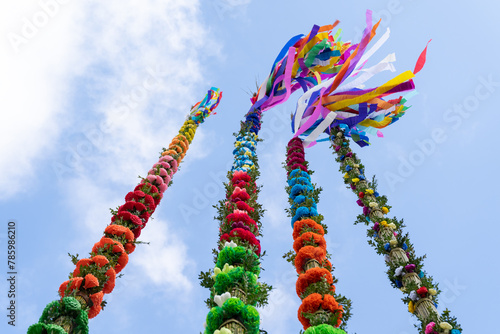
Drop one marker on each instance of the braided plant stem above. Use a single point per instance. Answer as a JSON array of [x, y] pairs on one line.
[[234, 288], [81, 297], [405, 269]]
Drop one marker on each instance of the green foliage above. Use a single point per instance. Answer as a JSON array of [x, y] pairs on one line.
[[379, 243]]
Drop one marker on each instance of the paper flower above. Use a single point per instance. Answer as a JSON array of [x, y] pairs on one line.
[[446, 326], [413, 296], [355, 180], [455, 331], [369, 191], [393, 242], [221, 299], [346, 175], [366, 211], [432, 292], [398, 271], [224, 330], [392, 225], [411, 307], [373, 205], [230, 244], [410, 268], [385, 210], [429, 329], [361, 194], [422, 292]]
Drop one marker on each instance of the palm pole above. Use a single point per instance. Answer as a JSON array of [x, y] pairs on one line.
[[82, 296], [233, 283], [322, 310], [405, 268]]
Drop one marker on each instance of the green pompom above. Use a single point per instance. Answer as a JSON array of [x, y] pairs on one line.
[[36, 328], [50, 312], [214, 319], [324, 329], [232, 307], [54, 329], [70, 304]]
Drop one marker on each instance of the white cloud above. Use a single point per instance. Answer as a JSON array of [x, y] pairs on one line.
[[281, 312], [165, 259], [136, 64], [32, 87]]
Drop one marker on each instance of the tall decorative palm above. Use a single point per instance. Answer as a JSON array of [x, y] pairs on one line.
[[81, 297], [234, 291], [322, 309], [405, 268]]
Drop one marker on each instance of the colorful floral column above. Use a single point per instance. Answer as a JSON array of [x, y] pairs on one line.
[[234, 287], [320, 311], [302, 64], [82, 295], [405, 269]]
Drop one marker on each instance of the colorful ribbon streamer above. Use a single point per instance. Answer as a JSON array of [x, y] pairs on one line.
[[357, 110]]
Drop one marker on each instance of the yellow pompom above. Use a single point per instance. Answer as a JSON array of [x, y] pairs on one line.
[[411, 307]]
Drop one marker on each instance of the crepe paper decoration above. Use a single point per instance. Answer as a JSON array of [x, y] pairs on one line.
[[95, 276], [405, 268], [206, 107], [303, 63], [342, 99], [62, 317], [421, 59], [315, 282], [238, 260]]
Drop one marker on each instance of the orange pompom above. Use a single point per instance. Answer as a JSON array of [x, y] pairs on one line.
[[122, 262], [106, 243], [300, 224], [308, 253], [74, 284], [119, 230], [129, 247], [81, 263], [312, 304], [110, 283], [100, 260], [96, 304], [313, 275], [309, 236], [90, 281]]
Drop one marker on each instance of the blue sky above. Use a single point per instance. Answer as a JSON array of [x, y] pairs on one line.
[[91, 92]]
